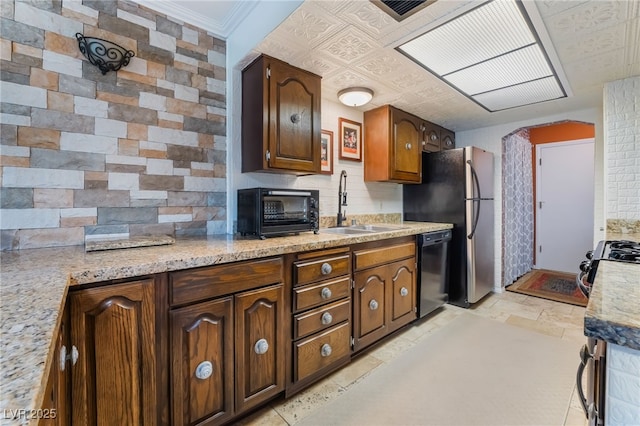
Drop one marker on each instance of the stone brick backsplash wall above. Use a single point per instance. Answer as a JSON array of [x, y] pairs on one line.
[[140, 151], [622, 156]]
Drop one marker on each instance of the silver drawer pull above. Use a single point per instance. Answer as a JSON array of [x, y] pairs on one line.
[[204, 370], [325, 293], [373, 305], [326, 318], [261, 346], [408, 145], [404, 291], [326, 350], [326, 269]]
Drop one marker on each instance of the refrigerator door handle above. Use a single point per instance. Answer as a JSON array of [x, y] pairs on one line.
[[475, 219], [476, 182]]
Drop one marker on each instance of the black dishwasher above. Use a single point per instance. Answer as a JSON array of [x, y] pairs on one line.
[[433, 280]]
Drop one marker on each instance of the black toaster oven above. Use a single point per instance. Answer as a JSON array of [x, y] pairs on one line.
[[268, 212]]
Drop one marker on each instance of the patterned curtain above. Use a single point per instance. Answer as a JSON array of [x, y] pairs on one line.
[[517, 206]]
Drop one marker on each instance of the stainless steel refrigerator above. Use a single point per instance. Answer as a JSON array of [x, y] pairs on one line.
[[457, 187]]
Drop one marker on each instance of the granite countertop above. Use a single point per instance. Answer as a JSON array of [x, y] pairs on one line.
[[613, 311], [34, 285]]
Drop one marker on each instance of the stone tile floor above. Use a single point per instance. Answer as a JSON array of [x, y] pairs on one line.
[[543, 316]]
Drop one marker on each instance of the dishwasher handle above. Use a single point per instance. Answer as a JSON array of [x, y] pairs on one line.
[[433, 238]]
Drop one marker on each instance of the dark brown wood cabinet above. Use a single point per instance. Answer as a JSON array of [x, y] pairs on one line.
[[436, 138], [321, 304], [384, 294], [229, 346], [115, 376], [392, 146], [280, 118], [207, 345]]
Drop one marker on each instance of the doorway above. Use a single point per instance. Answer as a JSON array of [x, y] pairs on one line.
[[520, 239]]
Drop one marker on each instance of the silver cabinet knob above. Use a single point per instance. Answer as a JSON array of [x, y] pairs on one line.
[[408, 145], [373, 305], [325, 269], [433, 136], [325, 350], [326, 318], [261, 346], [325, 293], [404, 291], [204, 370]]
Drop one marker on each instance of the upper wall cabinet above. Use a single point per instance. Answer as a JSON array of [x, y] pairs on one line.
[[436, 138], [280, 118], [392, 145]]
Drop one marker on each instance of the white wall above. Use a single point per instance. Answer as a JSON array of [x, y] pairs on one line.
[[622, 135], [490, 139]]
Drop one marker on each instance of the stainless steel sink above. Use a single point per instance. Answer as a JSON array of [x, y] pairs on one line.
[[376, 228], [360, 229], [345, 230]]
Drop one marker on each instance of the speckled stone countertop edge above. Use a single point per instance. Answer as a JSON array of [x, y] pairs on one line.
[[613, 311], [34, 284]]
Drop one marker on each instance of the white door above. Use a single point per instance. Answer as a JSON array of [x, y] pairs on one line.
[[565, 198]]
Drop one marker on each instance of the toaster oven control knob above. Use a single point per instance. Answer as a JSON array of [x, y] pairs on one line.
[[584, 266], [589, 254], [313, 203]]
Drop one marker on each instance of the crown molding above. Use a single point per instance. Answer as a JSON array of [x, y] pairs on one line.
[[219, 24]]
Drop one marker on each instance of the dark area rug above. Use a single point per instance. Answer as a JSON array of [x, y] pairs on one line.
[[552, 285]]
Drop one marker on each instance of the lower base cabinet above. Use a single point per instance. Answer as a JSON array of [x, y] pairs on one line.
[[206, 345], [114, 354], [384, 294], [228, 354]]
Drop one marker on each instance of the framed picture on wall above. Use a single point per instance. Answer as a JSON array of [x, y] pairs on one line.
[[326, 152], [350, 140]]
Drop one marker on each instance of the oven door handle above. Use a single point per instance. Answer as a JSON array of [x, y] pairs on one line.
[[583, 288], [585, 357]]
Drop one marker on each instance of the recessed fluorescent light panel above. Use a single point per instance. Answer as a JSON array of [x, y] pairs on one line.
[[491, 54]]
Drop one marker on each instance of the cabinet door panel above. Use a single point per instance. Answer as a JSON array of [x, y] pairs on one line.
[[260, 346], [448, 139], [294, 107], [407, 147], [403, 297], [202, 334], [114, 380], [369, 306]]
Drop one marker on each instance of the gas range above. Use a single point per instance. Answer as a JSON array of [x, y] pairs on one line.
[[612, 251]]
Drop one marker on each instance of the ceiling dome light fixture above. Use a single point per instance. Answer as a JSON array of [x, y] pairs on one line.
[[355, 96]]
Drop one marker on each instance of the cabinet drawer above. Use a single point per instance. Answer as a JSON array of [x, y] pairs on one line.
[[319, 351], [317, 294], [319, 269], [203, 283], [320, 318], [378, 256]]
